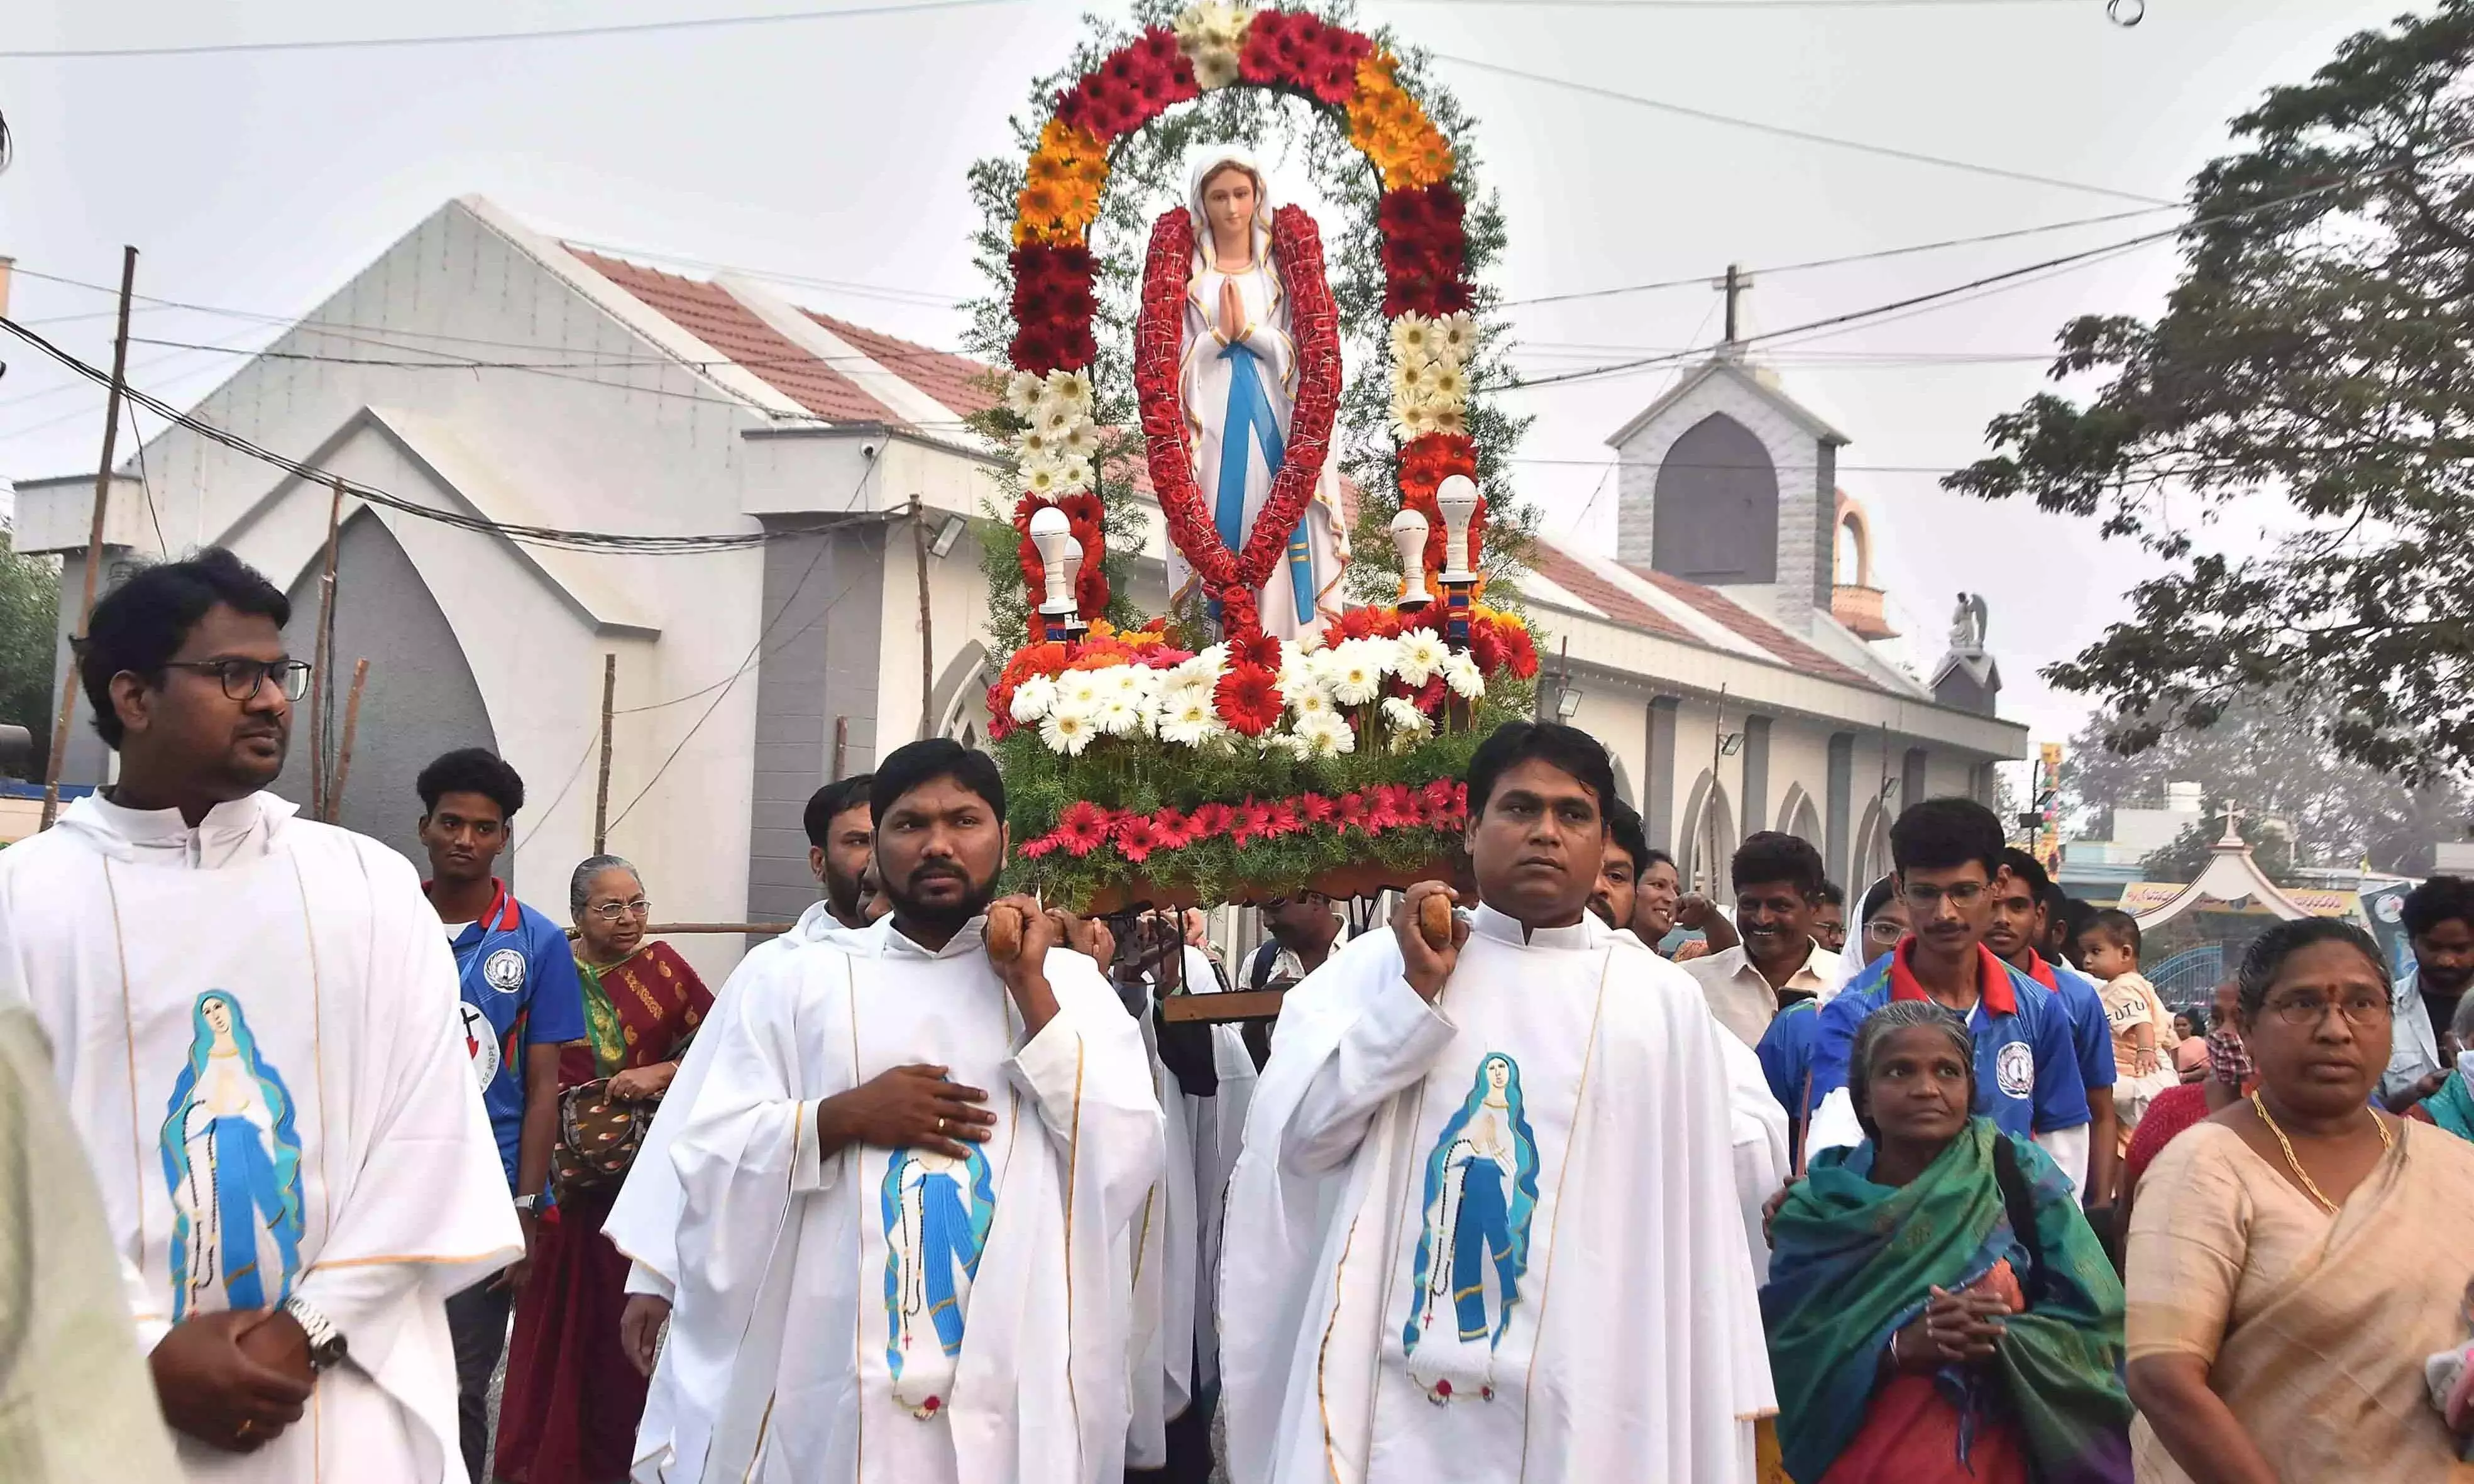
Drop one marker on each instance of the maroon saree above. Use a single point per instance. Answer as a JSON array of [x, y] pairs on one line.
[[572, 1399]]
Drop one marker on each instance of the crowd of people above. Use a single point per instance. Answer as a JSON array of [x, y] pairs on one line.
[[1560, 1171]]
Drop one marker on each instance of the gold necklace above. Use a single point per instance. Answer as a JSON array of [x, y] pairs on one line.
[[2387, 1141]]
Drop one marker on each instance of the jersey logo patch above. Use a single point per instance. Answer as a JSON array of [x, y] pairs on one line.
[[480, 1043], [2014, 1067], [504, 972]]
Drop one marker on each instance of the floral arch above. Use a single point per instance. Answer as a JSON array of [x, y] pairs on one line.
[[1208, 768]]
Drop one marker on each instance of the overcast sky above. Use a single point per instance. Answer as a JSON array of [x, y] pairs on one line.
[[836, 149]]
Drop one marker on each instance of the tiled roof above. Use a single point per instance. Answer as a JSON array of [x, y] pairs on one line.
[[709, 312], [1598, 593], [958, 381], [1790, 651]]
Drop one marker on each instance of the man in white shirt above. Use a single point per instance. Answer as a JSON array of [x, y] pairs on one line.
[[253, 1021], [1778, 882]]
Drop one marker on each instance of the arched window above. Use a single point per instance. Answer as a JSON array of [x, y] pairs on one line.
[[1798, 817], [1716, 507], [1707, 846], [1872, 858]]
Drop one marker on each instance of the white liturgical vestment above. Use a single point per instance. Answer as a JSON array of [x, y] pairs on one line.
[[253, 1023], [1494, 1237], [879, 1314]]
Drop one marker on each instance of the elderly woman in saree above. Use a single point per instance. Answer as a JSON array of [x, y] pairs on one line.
[[2296, 1258], [1938, 1308], [574, 1397]]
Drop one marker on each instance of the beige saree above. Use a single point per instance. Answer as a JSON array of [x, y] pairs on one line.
[[2315, 1328]]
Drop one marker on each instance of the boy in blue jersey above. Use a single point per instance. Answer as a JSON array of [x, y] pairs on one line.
[[1947, 854], [522, 1006], [2018, 925]]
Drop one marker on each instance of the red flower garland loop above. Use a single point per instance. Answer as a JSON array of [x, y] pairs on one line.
[[1159, 335]]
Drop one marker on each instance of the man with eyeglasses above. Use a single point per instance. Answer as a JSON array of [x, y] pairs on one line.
[[1947, 855], [252, 1021], [522, 1005]]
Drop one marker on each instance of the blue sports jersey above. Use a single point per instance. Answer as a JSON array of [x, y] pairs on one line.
[[2026, 1064], [2091, 1030], [520, 991], [1786, 1059]]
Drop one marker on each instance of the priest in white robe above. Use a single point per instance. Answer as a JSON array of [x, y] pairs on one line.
[[907, 1181], [254, 1022], [1486, 1224]]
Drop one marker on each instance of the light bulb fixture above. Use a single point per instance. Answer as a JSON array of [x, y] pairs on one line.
[[1060, 560], [1456, 498], [1409, 538], [1568, 704], [1731, 743], [947, 534]]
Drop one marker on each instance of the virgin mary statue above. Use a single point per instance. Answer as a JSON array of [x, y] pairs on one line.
[[1237, 381]]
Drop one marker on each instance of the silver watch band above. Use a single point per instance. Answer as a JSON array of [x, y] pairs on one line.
[[325, 1342]]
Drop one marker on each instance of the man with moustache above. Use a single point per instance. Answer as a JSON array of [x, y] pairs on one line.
[[1617, 897], [253, 1023], [1778, 881], [908, 1178], [841, 839], [1457, 1111], [2018, 922]]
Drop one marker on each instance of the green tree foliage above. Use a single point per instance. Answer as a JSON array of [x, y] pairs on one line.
[[2270, 761], [2318, 351], [29, 603]]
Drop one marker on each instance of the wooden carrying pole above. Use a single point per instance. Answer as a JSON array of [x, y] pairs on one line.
[[67, 707], [344, 753], [601, 799], [321, 687]]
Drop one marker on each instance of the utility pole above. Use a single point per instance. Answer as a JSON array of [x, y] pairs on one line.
[[926, 629], [93, 541], [601, 798], [1734, 285]]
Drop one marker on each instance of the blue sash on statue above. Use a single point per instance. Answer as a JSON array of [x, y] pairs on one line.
[[1250, 420]]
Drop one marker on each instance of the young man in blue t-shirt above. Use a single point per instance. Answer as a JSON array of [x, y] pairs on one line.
[[1947, 853], [521, 1005], [2018, 925]]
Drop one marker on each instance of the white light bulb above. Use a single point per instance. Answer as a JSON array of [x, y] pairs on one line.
[[1060, 559], [1409, 537], [1456, 498]]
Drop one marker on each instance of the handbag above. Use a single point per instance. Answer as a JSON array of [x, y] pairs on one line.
[[597, 1139]]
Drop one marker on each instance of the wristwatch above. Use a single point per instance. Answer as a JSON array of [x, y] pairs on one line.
[[327, 1347], [526, 1205]]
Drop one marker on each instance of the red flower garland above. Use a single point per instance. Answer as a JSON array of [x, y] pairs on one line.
[[1084, 827], [1160, 334]]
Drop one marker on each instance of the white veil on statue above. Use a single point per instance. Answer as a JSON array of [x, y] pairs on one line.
[[1237, 382]]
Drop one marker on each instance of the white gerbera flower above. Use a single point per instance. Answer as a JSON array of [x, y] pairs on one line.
[[1446, 420], [1195, 675], [1191, 720], [1022, 393], [1074, 473], [1118, 713], [1214, 67], [1133, 682], [1456, 336], [1054, 416], [1404, 382], [1356, 673], [1427, 378], [1462, 675], [1326, 736], [1040, 479], [1034, 699], [1067, 730], [1308, 700], [1214, 659], [1289, 742], [1072, 388], [1033, 444], [1448, 384], [1419, 655], [1413, 340], [1409, 725], [1079, 441], [1079, 689], [1413, 419]]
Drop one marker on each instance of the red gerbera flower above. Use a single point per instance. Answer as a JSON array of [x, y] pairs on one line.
[[1248, 699], [1169, 831], [1284, 821], [1350, 812], [1438, 798], [1136, 839], [1033, 849], [1083, 828], [1383, 811], [1486, 646], [1208, 822], [1317, 809], [1251, 820], [1257, 649]]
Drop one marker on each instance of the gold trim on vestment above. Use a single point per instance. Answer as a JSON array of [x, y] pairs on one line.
[[1547, 1279]]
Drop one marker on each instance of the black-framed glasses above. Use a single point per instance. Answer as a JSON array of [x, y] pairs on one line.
[[2309, 1009], [241, 678], [613, 912]]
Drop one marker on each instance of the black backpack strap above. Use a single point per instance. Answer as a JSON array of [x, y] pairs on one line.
[[2020, 1206], [1258, 969]]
